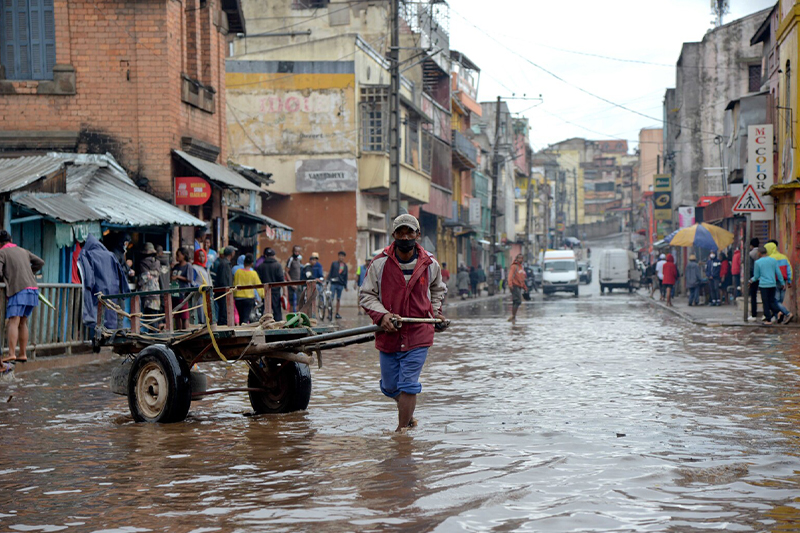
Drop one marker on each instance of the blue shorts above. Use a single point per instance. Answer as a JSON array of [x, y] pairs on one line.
[[22, 303], [336, 290], [400, 371]]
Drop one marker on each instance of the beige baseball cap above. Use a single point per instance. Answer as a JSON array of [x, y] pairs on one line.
[[405, 220]]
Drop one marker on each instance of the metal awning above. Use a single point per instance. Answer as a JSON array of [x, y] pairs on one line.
[[121, 203], [58, 206], [234, 213], [218, 173], [19, 172]]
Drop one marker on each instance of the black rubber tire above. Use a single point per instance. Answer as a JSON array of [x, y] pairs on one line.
[[602, 289], [155, 367], [292, 390], [575, 293]]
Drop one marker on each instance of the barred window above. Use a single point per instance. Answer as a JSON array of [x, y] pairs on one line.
[[27, 39], [754, 78], [309, 4], [427, 152], [374, 118]]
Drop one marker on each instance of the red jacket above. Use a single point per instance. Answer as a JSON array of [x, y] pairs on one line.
[[736, 263], [385, 291], [670, 271]]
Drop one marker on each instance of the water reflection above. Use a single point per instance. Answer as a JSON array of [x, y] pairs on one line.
[[589, 413]]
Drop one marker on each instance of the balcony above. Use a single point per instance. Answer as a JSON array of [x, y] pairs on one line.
[[464, 152], [373, 176]]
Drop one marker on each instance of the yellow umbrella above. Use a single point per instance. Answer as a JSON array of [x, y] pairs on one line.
[[702, 235]]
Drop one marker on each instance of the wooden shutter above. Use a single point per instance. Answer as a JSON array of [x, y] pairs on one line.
[[23, 40], [49, 37], [35, 39], [8, 38]]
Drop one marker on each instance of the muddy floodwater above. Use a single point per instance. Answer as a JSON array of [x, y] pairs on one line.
[[595, 413]]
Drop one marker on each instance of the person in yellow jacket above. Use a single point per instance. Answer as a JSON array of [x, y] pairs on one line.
[[786, 269], [246, 298]]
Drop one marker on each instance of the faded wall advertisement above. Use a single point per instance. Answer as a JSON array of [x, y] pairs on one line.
[[326, 175], [289, 114]]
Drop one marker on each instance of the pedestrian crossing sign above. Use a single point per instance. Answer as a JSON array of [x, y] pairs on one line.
[[749, 202]]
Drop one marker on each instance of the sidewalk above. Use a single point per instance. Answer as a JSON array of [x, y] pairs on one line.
[[704, 315], [454, 300]]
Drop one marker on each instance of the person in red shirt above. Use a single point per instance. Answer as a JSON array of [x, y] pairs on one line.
[[736, 272], [725, 277], [670, 273]]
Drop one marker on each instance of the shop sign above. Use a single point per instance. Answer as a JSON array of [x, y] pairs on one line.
[[475, 212], [662, 197], [191, 191], [686, 217], [759, 168]]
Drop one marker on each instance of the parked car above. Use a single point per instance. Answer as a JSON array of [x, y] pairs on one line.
[[585, 271], [618, 271]]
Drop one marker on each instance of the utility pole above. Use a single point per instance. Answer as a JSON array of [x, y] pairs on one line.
[[575, 194], [630, 218], [529, 230], [394, 115], [495, 179]]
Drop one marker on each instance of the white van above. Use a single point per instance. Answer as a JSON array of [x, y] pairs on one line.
[[618, 271], [560, 272]]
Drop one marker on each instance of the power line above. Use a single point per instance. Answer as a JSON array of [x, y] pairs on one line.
[[577, 87]]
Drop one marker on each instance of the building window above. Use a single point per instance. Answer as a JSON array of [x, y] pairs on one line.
[[516, 214], [374, 118], [28, 39], [754, 78], [427, 152], [412, 141], [309, 4]]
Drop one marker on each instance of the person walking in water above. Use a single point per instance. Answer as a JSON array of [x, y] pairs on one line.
[[693, 280], [516, 282], [769, 277], [404, 280], [17, 269], [670, 273]]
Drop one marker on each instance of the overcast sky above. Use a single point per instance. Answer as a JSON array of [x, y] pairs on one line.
[[625, 29]]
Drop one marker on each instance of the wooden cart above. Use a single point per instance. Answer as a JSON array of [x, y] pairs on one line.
[[157, 374]]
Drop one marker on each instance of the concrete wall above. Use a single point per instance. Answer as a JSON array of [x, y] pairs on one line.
[[709, 74], [651, 151], [594, 230]]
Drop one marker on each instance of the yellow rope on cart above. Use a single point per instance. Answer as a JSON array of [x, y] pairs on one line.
[[207, 309]]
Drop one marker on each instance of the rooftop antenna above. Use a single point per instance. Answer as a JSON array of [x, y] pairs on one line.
[[719, 8]]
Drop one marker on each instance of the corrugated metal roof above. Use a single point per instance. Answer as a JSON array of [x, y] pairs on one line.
[[258, 217], [216, 172], [98, 188], [59, 206], [18, 172], [120, 203]]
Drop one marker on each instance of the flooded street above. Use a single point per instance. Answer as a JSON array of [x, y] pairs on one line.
[[595, 413]]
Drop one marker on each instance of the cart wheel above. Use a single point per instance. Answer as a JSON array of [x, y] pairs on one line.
[[288, 387], [159, 386]]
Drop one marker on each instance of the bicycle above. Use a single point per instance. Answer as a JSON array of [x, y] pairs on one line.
[[324, 301]]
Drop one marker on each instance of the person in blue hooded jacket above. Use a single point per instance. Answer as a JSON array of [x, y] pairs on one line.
[[100, 271]]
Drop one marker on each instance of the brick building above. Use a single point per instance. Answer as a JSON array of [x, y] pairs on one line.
[[143, 80]]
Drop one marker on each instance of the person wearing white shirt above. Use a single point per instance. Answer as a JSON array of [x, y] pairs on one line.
[[662, 260]]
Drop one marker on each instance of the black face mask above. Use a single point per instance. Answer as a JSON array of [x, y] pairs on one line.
[[404, 246]]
